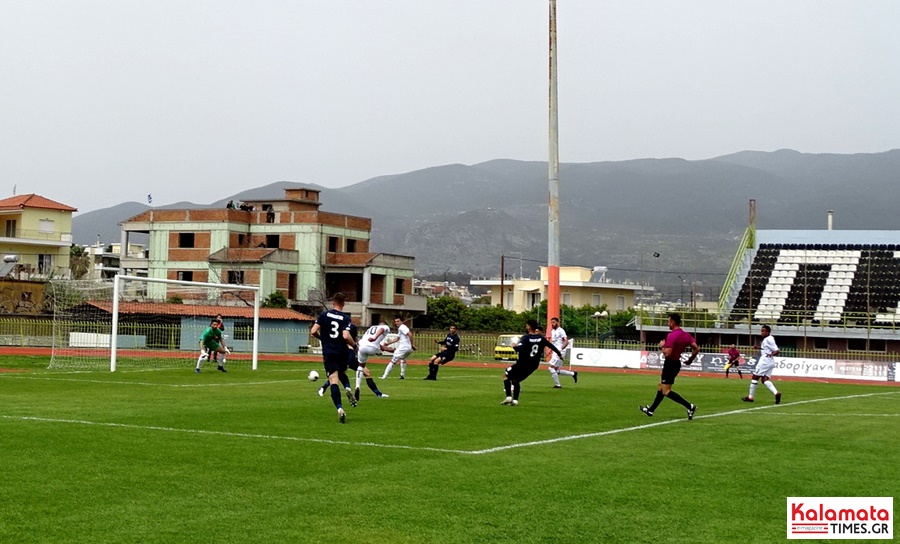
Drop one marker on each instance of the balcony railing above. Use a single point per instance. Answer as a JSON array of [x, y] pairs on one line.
[[38, 235]]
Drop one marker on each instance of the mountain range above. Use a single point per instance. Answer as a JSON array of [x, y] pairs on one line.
[[671, 222]]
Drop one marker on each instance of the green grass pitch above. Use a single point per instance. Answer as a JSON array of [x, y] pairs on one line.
[[163, 456]]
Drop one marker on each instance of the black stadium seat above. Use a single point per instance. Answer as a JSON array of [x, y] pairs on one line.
[[875, 285]]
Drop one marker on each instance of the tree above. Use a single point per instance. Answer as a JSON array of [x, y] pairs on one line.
[[446, 311], [494, 319], [276, 299], [580, 322], [79, 262]]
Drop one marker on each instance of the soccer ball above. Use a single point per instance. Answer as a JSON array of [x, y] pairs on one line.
[[313, 375]]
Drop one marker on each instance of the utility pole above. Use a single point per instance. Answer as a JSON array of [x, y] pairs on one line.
[[502, 283]]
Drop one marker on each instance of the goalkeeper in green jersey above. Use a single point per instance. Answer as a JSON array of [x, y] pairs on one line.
[[211, 342], [214, 355]]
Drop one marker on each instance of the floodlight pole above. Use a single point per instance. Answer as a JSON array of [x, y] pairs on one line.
[[553, 174]]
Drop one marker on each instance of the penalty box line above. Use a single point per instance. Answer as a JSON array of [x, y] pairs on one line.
[[225, 433], [813, 414], [667, 422], [425, 448], [153, 384]]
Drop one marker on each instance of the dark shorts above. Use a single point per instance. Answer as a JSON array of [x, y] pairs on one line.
[[519, 372], [335, 362], [670, 371], [445, 356], [352, 363], [736, 362]]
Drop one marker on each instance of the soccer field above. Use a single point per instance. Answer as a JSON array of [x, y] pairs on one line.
[[163, 456]]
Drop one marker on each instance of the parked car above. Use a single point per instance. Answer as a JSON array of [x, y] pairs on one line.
[[503, 350]]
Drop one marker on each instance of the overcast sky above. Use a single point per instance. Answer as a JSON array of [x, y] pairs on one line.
[[103, 102]]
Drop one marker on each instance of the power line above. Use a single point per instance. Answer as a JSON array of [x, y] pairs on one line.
[[638, 270]]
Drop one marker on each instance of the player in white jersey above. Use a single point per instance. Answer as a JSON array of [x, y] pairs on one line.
[[768, 349], [559, 339], [404, 346], [370, 344]]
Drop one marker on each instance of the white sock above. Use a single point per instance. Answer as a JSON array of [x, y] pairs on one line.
[[564, 372], [771, 387], [200, 359], [222, 360], [387, 370], [403, 367], [753, 385], [359, 377], [554, 375]]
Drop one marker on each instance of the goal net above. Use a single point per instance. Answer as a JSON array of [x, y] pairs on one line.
[[134, 322]]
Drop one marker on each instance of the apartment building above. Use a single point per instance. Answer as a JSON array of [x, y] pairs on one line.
[[286, 245], [578, 286]]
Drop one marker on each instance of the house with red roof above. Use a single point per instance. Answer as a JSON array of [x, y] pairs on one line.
[[166, 326], [35, 237]]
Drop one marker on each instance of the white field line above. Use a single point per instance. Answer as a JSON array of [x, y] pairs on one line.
[[443, 377], [149, 384], [810, 414], [669, 422], [228, 434], [440, 450], [13, 376]]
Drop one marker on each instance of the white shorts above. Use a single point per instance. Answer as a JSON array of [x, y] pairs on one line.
[[556, 361], [362, 356], [764, 367], [400, 354]]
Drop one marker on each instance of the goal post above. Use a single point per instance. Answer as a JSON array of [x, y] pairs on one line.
[[117, 291], [140, 322]]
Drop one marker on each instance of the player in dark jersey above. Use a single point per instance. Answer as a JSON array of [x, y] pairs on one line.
[[332, 328], [672, 348], [530, 349], [342, 376], [451, 346]]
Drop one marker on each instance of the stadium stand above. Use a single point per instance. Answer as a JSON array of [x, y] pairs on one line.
[[827, 294], [825, 283], [833, 278]]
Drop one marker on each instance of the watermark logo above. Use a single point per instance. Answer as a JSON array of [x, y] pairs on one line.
[[840, 517]]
